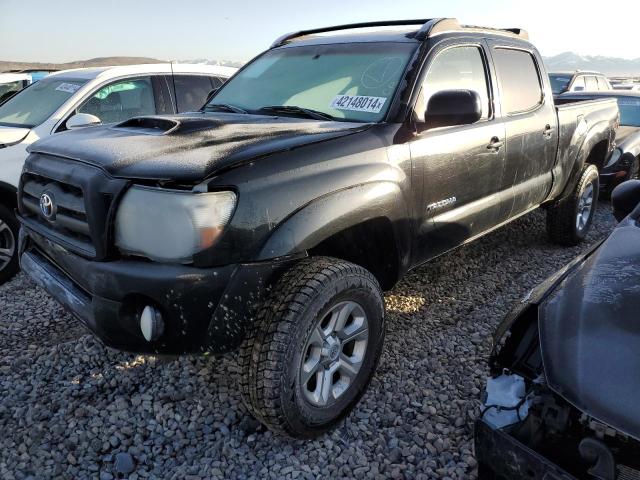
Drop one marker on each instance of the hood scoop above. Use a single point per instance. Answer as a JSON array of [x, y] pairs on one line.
[[166, 126]]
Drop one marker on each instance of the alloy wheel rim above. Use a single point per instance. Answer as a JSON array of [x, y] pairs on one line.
[[7, 245], [334, 353], [585, 205]]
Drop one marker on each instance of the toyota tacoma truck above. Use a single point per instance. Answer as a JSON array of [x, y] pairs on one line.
[[271, 221]]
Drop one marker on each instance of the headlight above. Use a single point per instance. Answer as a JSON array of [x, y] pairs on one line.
[[615, 156], [169, 225]]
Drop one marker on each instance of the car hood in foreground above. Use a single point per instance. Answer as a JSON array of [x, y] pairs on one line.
[[12, 135], [590, 332], [188, 148]]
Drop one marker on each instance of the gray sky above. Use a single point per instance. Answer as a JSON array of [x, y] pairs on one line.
[[65, 30]]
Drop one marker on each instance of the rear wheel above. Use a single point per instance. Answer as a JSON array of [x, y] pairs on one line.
[[569, 219], [8, 244], [315, 347]]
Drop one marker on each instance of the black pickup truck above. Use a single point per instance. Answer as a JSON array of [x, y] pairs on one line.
[[272, 220]]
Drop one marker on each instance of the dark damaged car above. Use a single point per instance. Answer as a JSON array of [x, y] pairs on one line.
[[563, 399], [271, 221]]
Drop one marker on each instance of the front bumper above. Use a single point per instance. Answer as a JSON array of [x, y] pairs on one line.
[[500, 455], [204, 310]]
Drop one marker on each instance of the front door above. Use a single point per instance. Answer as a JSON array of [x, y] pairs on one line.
[[461, 166]]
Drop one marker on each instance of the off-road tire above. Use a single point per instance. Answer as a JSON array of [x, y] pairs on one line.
[[270, 356], [8, 270], [562, 225]]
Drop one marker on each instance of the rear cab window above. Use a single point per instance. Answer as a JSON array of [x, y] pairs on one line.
[[519, 77]]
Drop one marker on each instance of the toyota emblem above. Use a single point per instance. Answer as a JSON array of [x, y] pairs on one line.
[[47, 207]]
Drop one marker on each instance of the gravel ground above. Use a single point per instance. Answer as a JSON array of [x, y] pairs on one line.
[[70, 408]]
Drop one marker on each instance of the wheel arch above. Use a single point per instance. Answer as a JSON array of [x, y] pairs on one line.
[[367, 225], [594, 150]]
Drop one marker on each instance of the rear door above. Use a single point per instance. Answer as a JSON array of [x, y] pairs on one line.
[[460, 166], [531, 126]]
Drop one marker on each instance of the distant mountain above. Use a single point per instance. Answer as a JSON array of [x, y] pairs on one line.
[[93, 62], [104, 62], [618, 67], [221, 63]]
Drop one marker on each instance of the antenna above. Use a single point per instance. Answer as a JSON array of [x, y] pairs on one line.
[[173, 81]]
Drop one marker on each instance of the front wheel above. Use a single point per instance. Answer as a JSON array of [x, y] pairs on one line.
[[8, 244], [569, 219], [315, 347]]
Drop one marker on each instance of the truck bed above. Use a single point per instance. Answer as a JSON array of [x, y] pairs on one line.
[[577, 119]]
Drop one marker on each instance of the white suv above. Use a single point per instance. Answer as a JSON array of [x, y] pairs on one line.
[[81, 98]]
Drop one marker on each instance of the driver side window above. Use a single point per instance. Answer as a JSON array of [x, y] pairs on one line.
[[121, 100], [457, 68]]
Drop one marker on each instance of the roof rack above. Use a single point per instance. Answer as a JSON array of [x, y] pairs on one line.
[[429, 28], [446, 25]]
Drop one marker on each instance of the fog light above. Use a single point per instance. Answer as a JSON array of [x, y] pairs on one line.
[[151, 323]]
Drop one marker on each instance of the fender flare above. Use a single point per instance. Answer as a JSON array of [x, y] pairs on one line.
[[337, 211], [592, 138]]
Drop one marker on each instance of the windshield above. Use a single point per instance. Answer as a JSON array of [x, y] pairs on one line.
[[559, 83], [352, 82], [629, 111], [35, 104]]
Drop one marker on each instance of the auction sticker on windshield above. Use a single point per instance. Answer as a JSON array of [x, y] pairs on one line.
[[68, 87], [358, 103]]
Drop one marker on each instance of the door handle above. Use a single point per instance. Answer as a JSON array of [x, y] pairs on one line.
[[495, 144], [548, 131]]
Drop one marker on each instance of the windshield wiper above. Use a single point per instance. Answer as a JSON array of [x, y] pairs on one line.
[[225, 107], [295, 110]]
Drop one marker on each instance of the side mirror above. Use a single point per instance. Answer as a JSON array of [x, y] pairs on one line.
[[453, 107], [625, 198], [578, 89], [81, 120], [211, 94]]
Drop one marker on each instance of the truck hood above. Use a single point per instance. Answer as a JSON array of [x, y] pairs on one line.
[[188, 148], [590, 332], [12, 135]]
